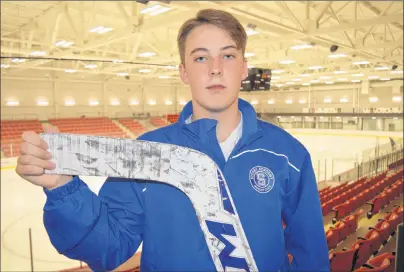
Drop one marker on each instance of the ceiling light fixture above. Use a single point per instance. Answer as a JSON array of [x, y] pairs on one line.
[[100, 29], [337, 56], [249, 54], [90, 66], [12, 103], [301, 46], [63, 43], [361, 62], [18, 60], [397, 98], [316, 67], [382, 68], [38, 53], [146, 54], [286, 61]]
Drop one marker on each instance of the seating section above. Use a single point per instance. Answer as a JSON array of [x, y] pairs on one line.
[[340, 231], [354, 195], [172, 118], [387, 193], [357, 256], [158, 122], [11, 132], [133, 125], [331, 197], [101, 126]]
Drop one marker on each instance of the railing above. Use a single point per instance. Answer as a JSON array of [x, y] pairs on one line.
[[371, 167]]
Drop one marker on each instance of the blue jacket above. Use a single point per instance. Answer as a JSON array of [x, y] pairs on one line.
[[106, 230]]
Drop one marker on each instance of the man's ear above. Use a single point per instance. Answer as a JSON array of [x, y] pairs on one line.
[[245, 69], [183, 74]]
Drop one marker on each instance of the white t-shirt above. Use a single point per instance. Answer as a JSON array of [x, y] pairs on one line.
[[228, 145]]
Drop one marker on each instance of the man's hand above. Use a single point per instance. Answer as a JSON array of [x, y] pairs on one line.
[[35, 158]]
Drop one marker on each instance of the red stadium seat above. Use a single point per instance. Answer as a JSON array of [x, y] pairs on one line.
[[393, 219], [376, 205], [332, 239], [364, 251], [384, 262], [399, 210], [383, 228], [342, 229], [341, 211], [352, 221], [326, 208], [342, 260], [374, 237]]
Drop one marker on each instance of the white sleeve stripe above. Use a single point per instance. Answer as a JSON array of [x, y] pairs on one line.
[[260, 149]]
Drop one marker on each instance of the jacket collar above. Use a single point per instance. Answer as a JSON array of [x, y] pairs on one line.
[[203, 126]]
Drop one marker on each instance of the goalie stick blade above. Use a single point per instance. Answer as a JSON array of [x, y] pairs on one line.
[[191, 171]]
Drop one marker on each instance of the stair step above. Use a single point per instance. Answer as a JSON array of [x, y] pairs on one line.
[[124, 129]]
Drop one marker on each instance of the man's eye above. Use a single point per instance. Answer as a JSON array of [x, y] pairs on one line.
[[199, 59], [229, 56]]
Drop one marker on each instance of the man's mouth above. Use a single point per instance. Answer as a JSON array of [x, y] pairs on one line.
[[216, 87]]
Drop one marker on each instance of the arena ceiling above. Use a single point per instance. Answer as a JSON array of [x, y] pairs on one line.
[[111, 40]]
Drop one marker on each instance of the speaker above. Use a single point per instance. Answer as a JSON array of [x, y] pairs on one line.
[[334, 48]]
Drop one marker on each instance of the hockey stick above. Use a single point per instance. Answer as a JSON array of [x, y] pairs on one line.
[[191, 171]]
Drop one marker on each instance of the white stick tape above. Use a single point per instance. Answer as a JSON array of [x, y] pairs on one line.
[[191, 171]]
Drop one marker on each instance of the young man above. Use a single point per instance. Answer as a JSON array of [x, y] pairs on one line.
[[269, 174]]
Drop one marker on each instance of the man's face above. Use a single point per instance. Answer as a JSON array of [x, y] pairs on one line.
[[213, 67]]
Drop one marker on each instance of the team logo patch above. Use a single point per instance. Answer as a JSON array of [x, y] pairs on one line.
[[262, 179]]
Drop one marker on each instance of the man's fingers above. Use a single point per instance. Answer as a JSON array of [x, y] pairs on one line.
[[31, 160], [29, 170], [30, 149], [34, 139]]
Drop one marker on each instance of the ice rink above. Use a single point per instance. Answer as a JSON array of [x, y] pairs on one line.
[[22, 203]]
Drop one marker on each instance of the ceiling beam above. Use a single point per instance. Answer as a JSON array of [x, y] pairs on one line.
[[35, 22], [358, 24], [323, 9], [373, 9], [284, 7]]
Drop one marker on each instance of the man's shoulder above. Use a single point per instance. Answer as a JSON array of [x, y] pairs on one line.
[[162, 134], [279, 134], [283, 142]]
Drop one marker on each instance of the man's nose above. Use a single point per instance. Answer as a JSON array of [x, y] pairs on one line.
[[216, 67]]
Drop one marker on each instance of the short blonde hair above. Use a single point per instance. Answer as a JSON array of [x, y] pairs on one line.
[[219, 18]]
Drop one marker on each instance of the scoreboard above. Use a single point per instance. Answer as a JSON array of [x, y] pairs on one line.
[[258, 79]]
